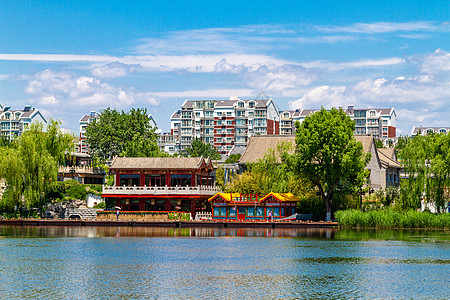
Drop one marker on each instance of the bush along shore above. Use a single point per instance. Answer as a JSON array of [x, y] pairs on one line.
[[388, 218]]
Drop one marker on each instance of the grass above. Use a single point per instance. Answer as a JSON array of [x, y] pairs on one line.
[[388, 218]]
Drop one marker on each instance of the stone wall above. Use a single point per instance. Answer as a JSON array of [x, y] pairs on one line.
[[133, 217]]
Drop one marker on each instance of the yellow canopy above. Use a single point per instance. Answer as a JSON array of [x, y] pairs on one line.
[[228, 197]]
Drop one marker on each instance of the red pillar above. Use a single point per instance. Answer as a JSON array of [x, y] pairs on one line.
[[168, 179], [142, 179], [192, 179], [168, 204]]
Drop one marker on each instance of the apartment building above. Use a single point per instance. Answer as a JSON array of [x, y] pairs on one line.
[[84, 122], [379, 122], [15, 122], [422, 130], [224, 123]]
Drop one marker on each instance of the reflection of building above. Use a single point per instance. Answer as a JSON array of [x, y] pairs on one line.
[[224, 123], [379, 122], [78, 166], [15, 122], [422, 130], [235, 206], [160, 184]]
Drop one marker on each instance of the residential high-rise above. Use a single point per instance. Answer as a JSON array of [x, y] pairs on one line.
[[84, 122], [224, 123], [379, 122], [15, 122]]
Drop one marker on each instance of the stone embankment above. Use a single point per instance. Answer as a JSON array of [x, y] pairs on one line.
[[71, 209]]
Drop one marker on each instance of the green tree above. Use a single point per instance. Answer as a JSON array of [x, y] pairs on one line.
[[233, 158], [426, 160], [199, 148], [30, 164], [124, 134], [328, 155], [379, 143], [271, 174]]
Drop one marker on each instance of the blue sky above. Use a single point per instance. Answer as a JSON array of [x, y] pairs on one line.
[[70, 58]]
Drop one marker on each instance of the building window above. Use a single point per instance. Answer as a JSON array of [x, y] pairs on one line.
[[180, 180], [129, 180]]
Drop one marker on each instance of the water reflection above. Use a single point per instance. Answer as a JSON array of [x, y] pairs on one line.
[[221, 263], [119, 231]]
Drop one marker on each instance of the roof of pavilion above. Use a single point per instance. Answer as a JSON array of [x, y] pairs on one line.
[[161, 163], [282, 197]]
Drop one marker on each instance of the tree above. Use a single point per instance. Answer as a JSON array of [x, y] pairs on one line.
[[271, 174], [124, 134], [233, 158], [379, 143], [426, 160], [328, 155], [30, 164], [199, 148]]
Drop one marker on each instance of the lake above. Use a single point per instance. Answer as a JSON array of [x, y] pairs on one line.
[[222, 263]]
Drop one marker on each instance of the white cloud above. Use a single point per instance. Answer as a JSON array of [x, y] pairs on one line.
[[209, 93], [436, 62], [359, 64], [277, 80], [4, 77], [114, 70], [52, 88], [382, 27], [325, 96]]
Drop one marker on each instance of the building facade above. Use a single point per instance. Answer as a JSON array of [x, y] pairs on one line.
[[15, 122], [422, 130], [378, 122], [224, 123], [84, 122], [161, 184]]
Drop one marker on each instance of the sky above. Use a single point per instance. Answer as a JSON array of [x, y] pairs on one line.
[[70, 58]]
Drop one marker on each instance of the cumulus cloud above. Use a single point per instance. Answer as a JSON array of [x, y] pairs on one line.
[[436, 62], [326, 96], [114, 70], [51, 88]]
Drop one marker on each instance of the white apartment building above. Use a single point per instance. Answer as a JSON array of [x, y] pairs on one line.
[[223, 123], [15, 122], [423, 130], [379, 122]]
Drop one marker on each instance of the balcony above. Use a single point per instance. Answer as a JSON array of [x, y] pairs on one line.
[[81, 170], [161, 190]]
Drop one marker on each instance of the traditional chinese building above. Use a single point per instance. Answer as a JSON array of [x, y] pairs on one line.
[[235, 206], [161, 184]]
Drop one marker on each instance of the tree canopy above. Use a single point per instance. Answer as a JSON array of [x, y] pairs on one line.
[[199, 148], [426, 160], [30, 164], [328, 155], [124, 134]]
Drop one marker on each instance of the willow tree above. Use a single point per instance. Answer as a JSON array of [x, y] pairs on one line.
[[30, 164], [426, 160], [328, 155]]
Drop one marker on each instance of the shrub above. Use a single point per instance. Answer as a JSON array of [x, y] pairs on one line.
[[389, 218]]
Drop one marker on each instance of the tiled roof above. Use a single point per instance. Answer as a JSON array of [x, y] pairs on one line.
[[386, 161], [366, 141], [159, 163], [225, 196], [227, 102], [282, 197], [258, 146]]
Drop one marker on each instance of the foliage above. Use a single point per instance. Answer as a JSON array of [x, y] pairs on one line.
[[233, 158], [199, 148], [220, 177], [100, 205], [389, 218], [30, 164], [271, 174], [125, 134], [328, 155], [426, 160], [379, 143]]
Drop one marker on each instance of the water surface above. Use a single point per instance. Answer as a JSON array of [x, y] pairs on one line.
[[221, 263]]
